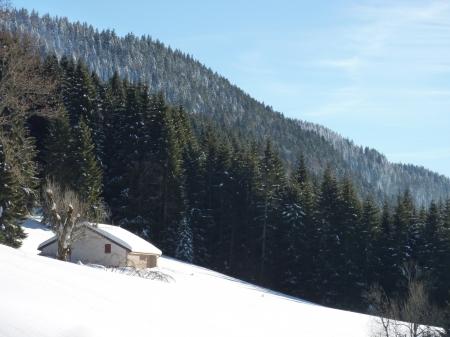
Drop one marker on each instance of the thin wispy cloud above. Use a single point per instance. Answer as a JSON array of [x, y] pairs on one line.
[[388, 44], [435, 93], [254, 62], [350, 64], [339, 102], [383, 31], [426, 154], [283, 88]]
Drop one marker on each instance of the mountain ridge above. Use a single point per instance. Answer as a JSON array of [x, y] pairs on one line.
[[185, 81]]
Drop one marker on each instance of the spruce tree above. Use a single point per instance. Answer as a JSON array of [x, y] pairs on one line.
[[371, 257], [220, 194], [330, 250], [387, 268], [309, 250], [196, 210], [404, 225], [17, 180], [352, 246], [167, 159], [244, 246], [443, 273], [58, 157], [430, 240], [90, 177], [114, 151], [434, 253], [184, 246], [152, 188], [272, 185], [11, 205], [68, 90], [132, 123], [213, 185], [79, 93], [301, 175], [292, 241], [446, 217], [97, 118]]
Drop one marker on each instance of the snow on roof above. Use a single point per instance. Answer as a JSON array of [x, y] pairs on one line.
[[121, 236], [47, 242], [127, 239]]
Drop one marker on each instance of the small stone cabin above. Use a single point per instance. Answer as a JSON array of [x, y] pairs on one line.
[[108, 245]]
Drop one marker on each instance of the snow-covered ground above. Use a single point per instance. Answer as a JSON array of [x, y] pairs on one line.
[[41, 297], [36, 234]]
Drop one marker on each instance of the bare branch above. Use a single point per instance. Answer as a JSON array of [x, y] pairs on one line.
[[413, 316], [24, 88], [67, 215]]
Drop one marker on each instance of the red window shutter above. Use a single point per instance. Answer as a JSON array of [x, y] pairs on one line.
[[107, 248]]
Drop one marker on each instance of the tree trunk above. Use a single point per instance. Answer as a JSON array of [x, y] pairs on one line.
[[263, 244], [63, 252], [164, 197]]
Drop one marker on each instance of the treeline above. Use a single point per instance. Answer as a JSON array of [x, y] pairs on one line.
[[207, 197], [183, 80]]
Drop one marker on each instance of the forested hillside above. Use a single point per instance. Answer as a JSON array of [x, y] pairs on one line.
[[198, 192], [184, 81]]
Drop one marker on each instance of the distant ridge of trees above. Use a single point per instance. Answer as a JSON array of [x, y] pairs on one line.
[[185, 81]]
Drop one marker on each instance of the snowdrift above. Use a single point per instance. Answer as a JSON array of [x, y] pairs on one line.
[[45, 297]]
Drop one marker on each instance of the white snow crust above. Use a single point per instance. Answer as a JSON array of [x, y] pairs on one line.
[[43, 297]]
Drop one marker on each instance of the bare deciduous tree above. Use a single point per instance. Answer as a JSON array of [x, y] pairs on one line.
[[412, 316], [25, 89], [67, 215]]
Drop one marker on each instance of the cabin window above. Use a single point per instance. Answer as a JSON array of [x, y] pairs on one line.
[[107, 248]]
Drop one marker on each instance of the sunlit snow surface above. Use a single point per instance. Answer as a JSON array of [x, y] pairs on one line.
[[40, 296], [36, 234]]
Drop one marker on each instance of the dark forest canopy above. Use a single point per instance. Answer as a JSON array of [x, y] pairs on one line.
[[184, 81]]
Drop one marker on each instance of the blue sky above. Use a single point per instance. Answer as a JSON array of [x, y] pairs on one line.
[[377, 72]]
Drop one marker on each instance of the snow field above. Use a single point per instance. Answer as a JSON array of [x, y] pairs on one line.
[[43, 297]]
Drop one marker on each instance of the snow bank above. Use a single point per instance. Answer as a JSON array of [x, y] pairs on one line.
[[46, 297], [43, 297]]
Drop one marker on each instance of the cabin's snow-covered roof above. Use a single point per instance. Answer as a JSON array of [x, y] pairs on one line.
[[47, 242], [120, 236], [127, 239]]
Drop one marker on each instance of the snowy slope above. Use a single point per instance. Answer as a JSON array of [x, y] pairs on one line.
[[44, 297], [36, 234]]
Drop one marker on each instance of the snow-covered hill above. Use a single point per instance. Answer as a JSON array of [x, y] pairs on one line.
[[41, 297], [185, 81]]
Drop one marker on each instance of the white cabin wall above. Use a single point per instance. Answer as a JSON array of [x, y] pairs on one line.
[[91, 249]]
